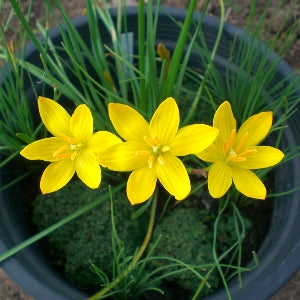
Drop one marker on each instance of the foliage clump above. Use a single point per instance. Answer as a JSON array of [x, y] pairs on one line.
[[87, 240], [186, 235]]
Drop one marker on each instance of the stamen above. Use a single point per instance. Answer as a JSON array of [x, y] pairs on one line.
[[65, 155], [241, 143], [229, 143], [60, 150], [142, 153], [73, 156], [236, 159], [161, 160], [151, 161], [68, 139], [165, 149], [148, 141], [232, 139], [156, 141], [248, 152]]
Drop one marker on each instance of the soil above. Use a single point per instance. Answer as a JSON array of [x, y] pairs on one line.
[[236, 13]]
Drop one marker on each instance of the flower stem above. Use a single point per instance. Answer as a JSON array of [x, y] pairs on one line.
[[136, 258]]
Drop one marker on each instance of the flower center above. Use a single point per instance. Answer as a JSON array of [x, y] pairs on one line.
[[233, 153], [70, 150], [155, 153]]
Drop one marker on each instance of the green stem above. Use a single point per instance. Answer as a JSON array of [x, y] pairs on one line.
[[214, 252], [136, 258], [55, 226], [176, 58], [141, 49], [212, 57]]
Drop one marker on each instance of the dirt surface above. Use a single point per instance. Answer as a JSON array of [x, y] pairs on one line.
[[236, 13]]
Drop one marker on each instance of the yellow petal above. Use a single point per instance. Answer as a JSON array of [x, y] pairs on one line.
[[124, 157], [129, 124], [43, 149], [57, 175], [102, 140], [248, 183], [88, 169], [210, 154], [225, 121], [256, 128], [219, 179], [173, 176], [265, 156], [141, 184], [54, 116], [81, 123], [193, 139], [165, 121]]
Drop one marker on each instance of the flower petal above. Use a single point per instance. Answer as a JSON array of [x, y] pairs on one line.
[[165, 121], [129, 123], [88, 169], [123, 156], [210, 154], [219, 179], [57, 175], [102, 140], [141, 184], [248, 183], [265, 156], [193, 139], [54, 116], [256, 128], [225, 121], [81, 123], [43, 149], [173, 176]]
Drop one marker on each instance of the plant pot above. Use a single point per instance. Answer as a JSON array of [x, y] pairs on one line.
[[279, 254]]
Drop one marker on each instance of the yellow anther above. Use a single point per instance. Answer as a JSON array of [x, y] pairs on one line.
[[73, 155], [231, 138], [161, 160], [238, 159], [142, 153], [151, 161], [149, 141], [165, 149], [156, 141], [58, 152], [248, 152], [241, 143], [229, 143], [69, 139]]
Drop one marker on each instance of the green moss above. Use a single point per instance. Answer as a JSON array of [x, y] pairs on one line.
[[184, 236], [87, 239]]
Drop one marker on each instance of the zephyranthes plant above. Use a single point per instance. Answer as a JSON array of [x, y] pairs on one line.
[[73, 148], [128, 116]]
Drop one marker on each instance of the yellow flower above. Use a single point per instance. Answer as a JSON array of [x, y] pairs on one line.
[[234, 154], [151, 150], [74, 147]]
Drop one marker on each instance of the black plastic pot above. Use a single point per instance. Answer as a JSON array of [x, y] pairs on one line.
[[279, 254]]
